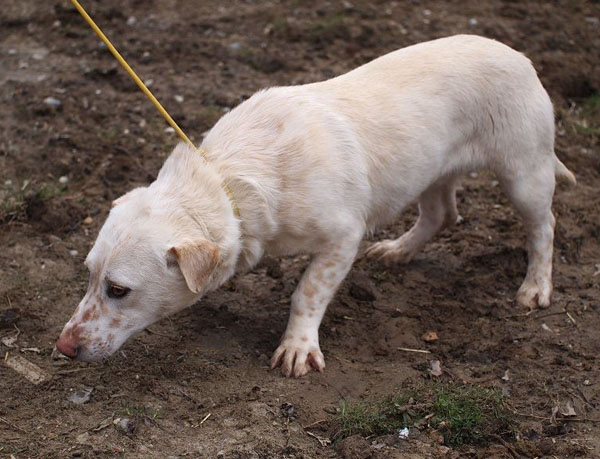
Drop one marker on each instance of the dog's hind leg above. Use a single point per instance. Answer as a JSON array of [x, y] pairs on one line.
[[299, 349], [530, 191], [437, 210]]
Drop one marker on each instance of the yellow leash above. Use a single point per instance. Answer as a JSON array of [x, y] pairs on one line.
[[149, 95]]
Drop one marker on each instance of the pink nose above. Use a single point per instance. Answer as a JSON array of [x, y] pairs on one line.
[[67, 345]]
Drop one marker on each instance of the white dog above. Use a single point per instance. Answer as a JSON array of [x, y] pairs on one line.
[[314, 167]]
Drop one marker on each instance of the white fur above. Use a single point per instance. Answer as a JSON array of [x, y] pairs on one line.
[[313, 168]]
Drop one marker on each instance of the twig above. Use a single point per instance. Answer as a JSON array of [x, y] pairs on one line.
[[547, 418], [13, 425], [314, 424], [512, 316], [322, 441], [205, 418], [551, 314], [420, 351], [75, 370], [159, 334]]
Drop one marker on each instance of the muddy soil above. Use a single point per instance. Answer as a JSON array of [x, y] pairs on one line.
[[198, 384]]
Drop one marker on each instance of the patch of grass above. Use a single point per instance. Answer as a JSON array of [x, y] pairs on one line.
[[376, 417], [14, 201], [469, 414], [463, 414], [327, 29], [142, 412], [591, 105]]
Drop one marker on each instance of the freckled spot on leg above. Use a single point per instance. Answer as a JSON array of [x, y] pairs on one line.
[[304, 338], [298, 313], [309, 291]]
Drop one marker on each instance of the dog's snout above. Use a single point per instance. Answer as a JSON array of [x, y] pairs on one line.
[[67, 345]]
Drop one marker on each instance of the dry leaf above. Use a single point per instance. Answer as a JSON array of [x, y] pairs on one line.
[[568, 411], [430, 337], [436, 368]]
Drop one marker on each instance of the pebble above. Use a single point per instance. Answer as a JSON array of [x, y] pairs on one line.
[[131, 20], [73, 253], [361, 287], [12, 51], [473, 22], [81, 396], [52, 102], [64, 179], [8, 182], [124, 425], [88, 220], [169, 130], [235, 46], [179, 98], [149, 82], [101, 45]]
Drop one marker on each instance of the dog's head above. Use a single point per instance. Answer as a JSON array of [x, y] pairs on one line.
[[143, 267]]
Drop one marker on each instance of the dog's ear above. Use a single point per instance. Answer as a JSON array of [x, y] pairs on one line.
[[127, 196], [197, 260]]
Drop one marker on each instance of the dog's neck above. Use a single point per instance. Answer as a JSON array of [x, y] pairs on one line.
[[193, 187]]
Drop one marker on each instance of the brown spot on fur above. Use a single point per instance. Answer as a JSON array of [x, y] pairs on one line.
[[304, 338], [86, 315], [115, 323], [298, 313], [309, 291]]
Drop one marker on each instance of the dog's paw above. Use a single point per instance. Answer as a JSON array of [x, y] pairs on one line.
[[390, 252], [297, 357], [532, 294]]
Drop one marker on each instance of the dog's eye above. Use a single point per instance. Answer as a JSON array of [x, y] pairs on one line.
[[117, 291]]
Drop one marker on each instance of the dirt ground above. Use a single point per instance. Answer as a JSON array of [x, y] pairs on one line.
[[198, 384]]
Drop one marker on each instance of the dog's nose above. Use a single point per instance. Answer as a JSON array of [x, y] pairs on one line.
[[67, 345]]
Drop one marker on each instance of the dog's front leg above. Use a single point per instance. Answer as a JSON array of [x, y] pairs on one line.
[[299, 349]]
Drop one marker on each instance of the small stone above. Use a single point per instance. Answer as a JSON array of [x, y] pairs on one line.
[[63, 180], [73, 253], [361, 287], [430, 337], [235, 46], [592, 20], [124, 425], [354, 447], [8, 317], [101, 45], [12, 51], [473, 22], [83, 438], [131, 20], [169, 130], [53, 102], [427, 12], [88, 220], [81, 396], [149, 82], [8, 182], [287, 410], [178, 98]]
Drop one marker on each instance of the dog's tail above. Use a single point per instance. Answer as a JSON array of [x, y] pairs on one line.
[[562, 173]]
